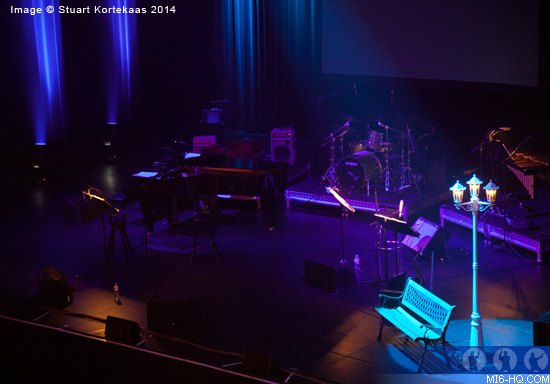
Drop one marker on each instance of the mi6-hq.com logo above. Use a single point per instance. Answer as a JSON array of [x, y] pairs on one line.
[[505, 360]]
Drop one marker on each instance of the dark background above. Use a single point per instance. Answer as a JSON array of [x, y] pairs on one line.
[[184, 61]]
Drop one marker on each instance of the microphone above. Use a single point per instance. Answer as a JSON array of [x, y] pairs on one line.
[[401, 207], [506, 129], [354, 87]]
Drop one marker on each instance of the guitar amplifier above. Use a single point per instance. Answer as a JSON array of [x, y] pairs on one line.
[[283, 145]]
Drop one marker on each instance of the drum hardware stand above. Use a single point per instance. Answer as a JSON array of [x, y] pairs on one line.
[[331, 172], [377, 280], [406, 180], [387, 145], [412, 149]]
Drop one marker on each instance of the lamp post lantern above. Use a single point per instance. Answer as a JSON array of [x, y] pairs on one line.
[[475, 206]]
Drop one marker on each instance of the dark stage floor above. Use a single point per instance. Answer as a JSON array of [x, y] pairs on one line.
[[255, 299]]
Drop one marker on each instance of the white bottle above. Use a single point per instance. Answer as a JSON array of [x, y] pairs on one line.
[[357, 263], [115, 293]]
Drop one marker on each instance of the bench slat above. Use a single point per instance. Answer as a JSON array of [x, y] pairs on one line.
[[410, 326]]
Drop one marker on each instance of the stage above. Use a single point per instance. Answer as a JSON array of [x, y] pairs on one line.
[[312, 191]]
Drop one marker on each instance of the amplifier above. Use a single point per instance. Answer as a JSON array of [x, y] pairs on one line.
[[283, 145]]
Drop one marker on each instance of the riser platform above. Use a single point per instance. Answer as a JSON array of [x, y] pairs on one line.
[[311, 191], [497, 227]]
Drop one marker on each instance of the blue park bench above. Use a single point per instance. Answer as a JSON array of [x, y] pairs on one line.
[[419, 314]]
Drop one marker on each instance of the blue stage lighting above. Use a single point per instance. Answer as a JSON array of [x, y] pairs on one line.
[[45, 63]]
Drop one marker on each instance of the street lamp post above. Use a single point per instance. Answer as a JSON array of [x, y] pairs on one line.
[[475, 206]]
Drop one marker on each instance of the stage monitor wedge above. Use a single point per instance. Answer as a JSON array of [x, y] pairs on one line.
[[327, 277], [53, 287]]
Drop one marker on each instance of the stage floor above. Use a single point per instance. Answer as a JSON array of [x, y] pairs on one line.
[[256, 299]]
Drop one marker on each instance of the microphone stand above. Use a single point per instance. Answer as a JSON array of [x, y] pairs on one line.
[[320, 99], [386, 155], [330, 173]]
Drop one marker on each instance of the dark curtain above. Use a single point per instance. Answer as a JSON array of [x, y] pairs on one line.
[[267, 51]]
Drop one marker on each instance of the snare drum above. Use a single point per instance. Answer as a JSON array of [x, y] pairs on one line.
[[355, 172], [356, 146]]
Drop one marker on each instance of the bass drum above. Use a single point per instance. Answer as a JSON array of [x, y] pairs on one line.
[[355, 172]]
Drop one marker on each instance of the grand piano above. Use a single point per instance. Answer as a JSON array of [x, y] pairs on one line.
[[206, 175]]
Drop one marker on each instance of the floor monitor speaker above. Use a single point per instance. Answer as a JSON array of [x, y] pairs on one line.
[[260, 365], [123, 331], [327, 277], [53, 287], [541, 330], [78, 207]]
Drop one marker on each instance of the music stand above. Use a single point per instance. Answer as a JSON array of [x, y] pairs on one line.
[[343, 204], [397, 226]]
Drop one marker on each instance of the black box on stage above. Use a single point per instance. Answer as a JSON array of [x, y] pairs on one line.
[[53, 287], [541, 330], [327, 277], [122, 330], [79, 207], [320, 275], [258, 364]]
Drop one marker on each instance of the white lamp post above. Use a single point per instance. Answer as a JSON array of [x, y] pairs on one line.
[[474, 206]]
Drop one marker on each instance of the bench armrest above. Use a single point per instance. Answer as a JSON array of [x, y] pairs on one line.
[[388, 296], [431, 327]]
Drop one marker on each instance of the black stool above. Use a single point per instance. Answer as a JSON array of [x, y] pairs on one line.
[[199, 219], [118, 224]]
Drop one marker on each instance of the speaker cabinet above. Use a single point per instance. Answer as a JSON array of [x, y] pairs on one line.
[[123, 331], [78, 207], [541, 330], [432, 238], [260, 365], [53, 287], [21, 308], [174, 318], [327, 277], [283, 145]]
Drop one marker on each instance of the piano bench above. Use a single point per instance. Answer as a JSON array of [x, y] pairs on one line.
[[203, 218]]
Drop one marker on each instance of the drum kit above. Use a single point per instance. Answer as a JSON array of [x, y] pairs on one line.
[[381, 160]]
